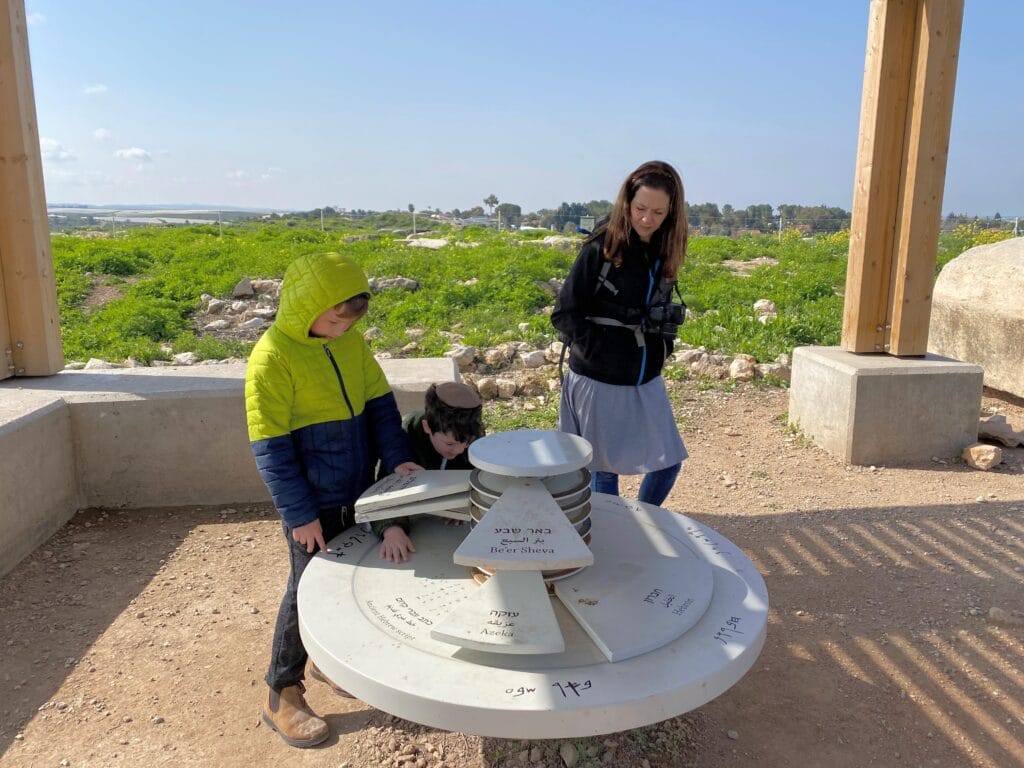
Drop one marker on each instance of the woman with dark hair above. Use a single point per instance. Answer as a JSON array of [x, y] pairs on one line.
[[616, 311]]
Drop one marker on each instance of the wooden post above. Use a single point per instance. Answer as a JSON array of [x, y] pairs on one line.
[[933, 80], [906, 110], [29, 326]]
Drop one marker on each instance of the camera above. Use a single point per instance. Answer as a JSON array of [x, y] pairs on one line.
[[666, 318]]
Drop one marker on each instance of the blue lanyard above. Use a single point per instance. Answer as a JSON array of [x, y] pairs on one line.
[[647, 301]]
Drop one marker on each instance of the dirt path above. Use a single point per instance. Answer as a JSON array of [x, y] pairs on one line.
[[140, 638]]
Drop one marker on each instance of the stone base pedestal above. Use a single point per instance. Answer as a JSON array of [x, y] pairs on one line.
[[879, 409]]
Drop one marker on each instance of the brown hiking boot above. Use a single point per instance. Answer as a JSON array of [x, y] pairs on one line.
[[288, 714], [320, 677]]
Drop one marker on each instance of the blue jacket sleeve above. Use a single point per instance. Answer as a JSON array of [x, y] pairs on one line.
[[281, 469], [385, 427]]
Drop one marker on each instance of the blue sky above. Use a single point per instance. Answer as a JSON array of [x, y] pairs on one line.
[[366, 105]]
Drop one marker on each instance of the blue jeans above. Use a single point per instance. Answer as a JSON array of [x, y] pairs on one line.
[[653, 490], [288, 654]]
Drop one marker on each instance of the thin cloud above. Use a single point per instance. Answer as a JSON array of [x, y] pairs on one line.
[[35, 19], [92, 90], [133, 153], [238, 176], [102, 134], [54, 152]]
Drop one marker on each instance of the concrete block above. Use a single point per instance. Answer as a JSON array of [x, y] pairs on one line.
[[410, 377], [879, 409], [38, 478]]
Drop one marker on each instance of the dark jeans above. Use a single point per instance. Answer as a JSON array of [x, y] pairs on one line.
[[654, 489], [288, 655]]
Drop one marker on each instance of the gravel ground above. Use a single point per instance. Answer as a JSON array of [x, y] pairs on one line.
[[895, 639]]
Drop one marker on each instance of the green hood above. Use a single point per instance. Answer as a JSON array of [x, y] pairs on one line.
[[313, 284]]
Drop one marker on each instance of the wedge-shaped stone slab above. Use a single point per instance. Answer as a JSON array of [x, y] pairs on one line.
[[524, 530], [634, 589], [510, 613], [397, 489], [530, 453], [455, 506]]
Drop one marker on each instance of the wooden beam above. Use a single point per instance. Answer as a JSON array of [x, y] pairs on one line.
[[883, 120], [927, 148], [27, 281]]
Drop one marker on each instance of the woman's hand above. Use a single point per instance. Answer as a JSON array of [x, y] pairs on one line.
[[407, 468], [397, 546], [310, 535]]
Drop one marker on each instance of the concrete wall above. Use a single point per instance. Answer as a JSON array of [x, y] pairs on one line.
[[38, 481], [138, 437]]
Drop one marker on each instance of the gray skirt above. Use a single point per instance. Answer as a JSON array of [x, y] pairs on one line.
[[631, 428]]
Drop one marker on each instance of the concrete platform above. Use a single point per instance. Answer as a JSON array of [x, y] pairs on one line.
[[138, 437], [884, 410]]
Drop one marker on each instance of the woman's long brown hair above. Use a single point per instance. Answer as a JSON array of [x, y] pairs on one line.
[[672, 235]]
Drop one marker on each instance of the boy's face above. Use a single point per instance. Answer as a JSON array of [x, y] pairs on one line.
[[445, 443], [331, 323]]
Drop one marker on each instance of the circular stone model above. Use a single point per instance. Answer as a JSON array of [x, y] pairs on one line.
[[530, 453], [366, 624]]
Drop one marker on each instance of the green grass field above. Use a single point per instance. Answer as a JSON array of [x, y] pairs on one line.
[[157, 275]]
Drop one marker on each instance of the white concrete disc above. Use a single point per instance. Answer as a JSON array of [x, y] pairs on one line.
[[397, 489], [510, 613], [366, 623], [530, 453], [438, 505], [524, 530]]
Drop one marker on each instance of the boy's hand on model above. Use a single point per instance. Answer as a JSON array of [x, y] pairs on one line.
[[397, 546], [310, 535], [407, 468]]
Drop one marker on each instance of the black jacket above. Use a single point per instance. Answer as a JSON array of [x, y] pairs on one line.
[[608, 353]]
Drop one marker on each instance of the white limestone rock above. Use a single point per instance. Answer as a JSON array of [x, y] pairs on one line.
[[462, 355], [427, 242], [553, 353], [496, 357], [533, 359], [982, 456], [742, 368], [1010, 434], [487, 387], [506, 388], [978, 312], [776, 370], [96, 364]]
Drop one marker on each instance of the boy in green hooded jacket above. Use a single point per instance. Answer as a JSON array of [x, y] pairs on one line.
[[320, 415]]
